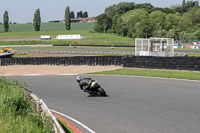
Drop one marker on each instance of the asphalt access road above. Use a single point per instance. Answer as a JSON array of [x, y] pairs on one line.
[[109, 49], [77, 49], [134, 105]]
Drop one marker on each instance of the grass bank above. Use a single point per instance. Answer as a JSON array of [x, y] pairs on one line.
[[88, 38], [153, 73], [21, 31], [17, 114]]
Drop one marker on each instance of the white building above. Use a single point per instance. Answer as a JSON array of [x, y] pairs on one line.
[[69, 37]]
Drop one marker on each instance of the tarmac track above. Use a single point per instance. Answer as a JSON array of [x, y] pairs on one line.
[[134, 105]]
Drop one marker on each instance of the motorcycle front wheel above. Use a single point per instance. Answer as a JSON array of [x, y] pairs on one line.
[[101, 92]]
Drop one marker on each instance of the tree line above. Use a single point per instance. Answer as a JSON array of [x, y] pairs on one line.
[[80, 14], [144, 20], [37, 19]]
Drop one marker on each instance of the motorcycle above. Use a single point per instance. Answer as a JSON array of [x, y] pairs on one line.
[[96, 90]]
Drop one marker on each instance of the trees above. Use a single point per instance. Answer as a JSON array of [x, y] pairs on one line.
[[172, 21], [72, 14], [6, 21], [185, 22], [120, 8], [121, 28], [123, 7], [103, 23], [130, 19], [145, 20], [186, 6], [85, 15], [194, 16], [67, 19], [79, 14], [143, 28], [146, 6], [111, 11], [158, 20], [37, 20], [197, 35]]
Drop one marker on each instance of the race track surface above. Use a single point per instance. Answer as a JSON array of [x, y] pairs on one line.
[[134, 105]]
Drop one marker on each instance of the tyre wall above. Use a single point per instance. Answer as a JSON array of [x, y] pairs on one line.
[[176, 63]]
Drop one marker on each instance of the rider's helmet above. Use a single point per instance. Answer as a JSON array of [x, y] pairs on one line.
[[78, 78]]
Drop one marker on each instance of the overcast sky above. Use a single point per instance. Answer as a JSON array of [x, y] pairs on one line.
[[22, 11]]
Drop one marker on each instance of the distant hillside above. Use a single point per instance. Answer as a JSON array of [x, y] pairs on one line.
[[48, 27]]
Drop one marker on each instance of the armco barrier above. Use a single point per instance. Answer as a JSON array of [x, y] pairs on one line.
[[178, 63], [42, 108]]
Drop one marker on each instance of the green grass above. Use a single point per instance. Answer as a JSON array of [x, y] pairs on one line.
[[17, 115], [193, 54], [65, 127], [48, 27], [88, 38], [153, 73], [54, 29]]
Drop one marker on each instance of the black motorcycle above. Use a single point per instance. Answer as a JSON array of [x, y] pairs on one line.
[[96, 90]]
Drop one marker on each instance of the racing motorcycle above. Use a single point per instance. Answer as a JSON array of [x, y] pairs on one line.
[[95, 89]]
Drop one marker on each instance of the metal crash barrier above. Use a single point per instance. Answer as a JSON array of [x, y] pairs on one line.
[[42, 108]]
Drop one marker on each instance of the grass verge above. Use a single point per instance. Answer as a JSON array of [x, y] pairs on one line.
[[153, 73], [65, 127], [193, 54], [17, 115]]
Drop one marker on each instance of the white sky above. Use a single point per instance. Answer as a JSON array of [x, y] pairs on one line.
[[22, 11]]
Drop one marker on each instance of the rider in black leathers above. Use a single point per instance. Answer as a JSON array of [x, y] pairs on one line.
[[84, 83]]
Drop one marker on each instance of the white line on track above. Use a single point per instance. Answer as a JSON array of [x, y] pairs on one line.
[[74, 120], [98, 75], [147, 77]]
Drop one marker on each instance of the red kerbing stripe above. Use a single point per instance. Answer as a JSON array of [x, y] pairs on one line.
[[76, 130], [49, 74], [18, 75]]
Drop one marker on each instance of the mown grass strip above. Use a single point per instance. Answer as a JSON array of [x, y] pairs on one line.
[[153, 73], [193, 54], [17, 114], [48, 27], [65, 127]]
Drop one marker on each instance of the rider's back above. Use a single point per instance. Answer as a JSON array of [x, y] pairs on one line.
[[85, 83]]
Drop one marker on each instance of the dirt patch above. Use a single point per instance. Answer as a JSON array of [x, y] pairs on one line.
[[48, 69]]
